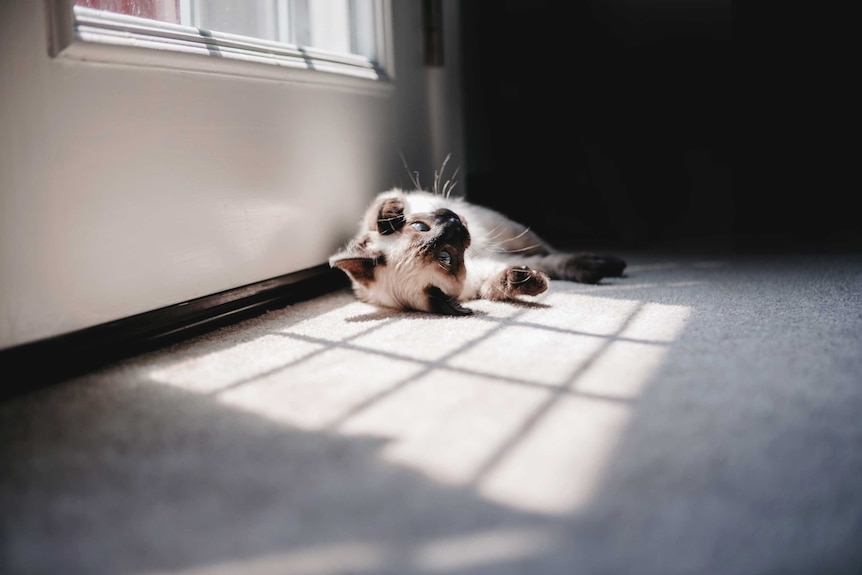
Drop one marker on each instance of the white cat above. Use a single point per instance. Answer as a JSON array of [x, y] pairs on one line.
[[417, 250]]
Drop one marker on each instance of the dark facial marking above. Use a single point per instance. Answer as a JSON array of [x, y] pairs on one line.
[[446, 216], [439, 302]]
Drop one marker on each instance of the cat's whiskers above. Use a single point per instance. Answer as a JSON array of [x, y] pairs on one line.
[[501, 250], [495, 232], [438, 175], [414, 175], [525, 232], [497, 247], [449, 184]]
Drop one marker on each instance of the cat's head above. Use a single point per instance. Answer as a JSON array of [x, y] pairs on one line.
[[408, 260]]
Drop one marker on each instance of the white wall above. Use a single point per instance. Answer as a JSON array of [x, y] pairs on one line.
[[128, 188]]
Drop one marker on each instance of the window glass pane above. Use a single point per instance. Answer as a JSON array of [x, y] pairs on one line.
[[343, 26], [257, 19], [363, 39], [164, 10], [329, 25]]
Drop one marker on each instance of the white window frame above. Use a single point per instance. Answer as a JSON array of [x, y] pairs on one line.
[[95, 35]]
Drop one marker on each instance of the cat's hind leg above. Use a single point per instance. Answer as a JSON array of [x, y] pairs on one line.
[[584, 268], [591, 268]]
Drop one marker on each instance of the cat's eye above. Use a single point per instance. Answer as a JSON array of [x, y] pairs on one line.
[[420, 226], [444, 258]]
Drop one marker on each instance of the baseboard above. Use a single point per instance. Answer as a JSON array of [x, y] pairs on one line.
[[35, 365]]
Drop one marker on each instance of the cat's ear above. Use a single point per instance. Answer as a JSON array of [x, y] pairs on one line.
[[444, 304], [390, 216], [359, 267]]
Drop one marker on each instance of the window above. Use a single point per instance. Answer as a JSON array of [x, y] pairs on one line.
[[342, 36], [149, 163]]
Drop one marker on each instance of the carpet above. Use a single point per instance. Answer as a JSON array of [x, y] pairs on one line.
[[699, 415]]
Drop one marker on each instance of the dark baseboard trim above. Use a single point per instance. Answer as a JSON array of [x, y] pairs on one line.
[[34, 365]]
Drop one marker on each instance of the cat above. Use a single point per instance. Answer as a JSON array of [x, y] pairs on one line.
[[432, 252]]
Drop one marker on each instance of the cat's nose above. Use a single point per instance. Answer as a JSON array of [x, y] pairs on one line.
[[444, 216]]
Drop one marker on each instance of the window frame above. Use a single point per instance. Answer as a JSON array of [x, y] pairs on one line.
[[86, 34]]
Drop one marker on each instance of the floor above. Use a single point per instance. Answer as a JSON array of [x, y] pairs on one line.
[[700, 415]]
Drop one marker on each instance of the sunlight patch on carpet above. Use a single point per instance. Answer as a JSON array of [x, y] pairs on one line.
[[223, 368], [316, 394], [524, 404], [556, 465]]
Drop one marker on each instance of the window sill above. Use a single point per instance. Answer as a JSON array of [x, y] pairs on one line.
[[97, 36]]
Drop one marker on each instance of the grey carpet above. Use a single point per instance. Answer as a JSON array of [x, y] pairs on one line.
[[701, 415]]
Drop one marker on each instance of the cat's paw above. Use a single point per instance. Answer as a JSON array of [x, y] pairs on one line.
[[591, 268], [521, 280]]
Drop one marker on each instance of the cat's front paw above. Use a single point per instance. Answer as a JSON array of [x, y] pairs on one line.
[[521, 280]]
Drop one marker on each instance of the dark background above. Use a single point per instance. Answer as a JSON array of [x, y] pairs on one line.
[[639, 123]]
